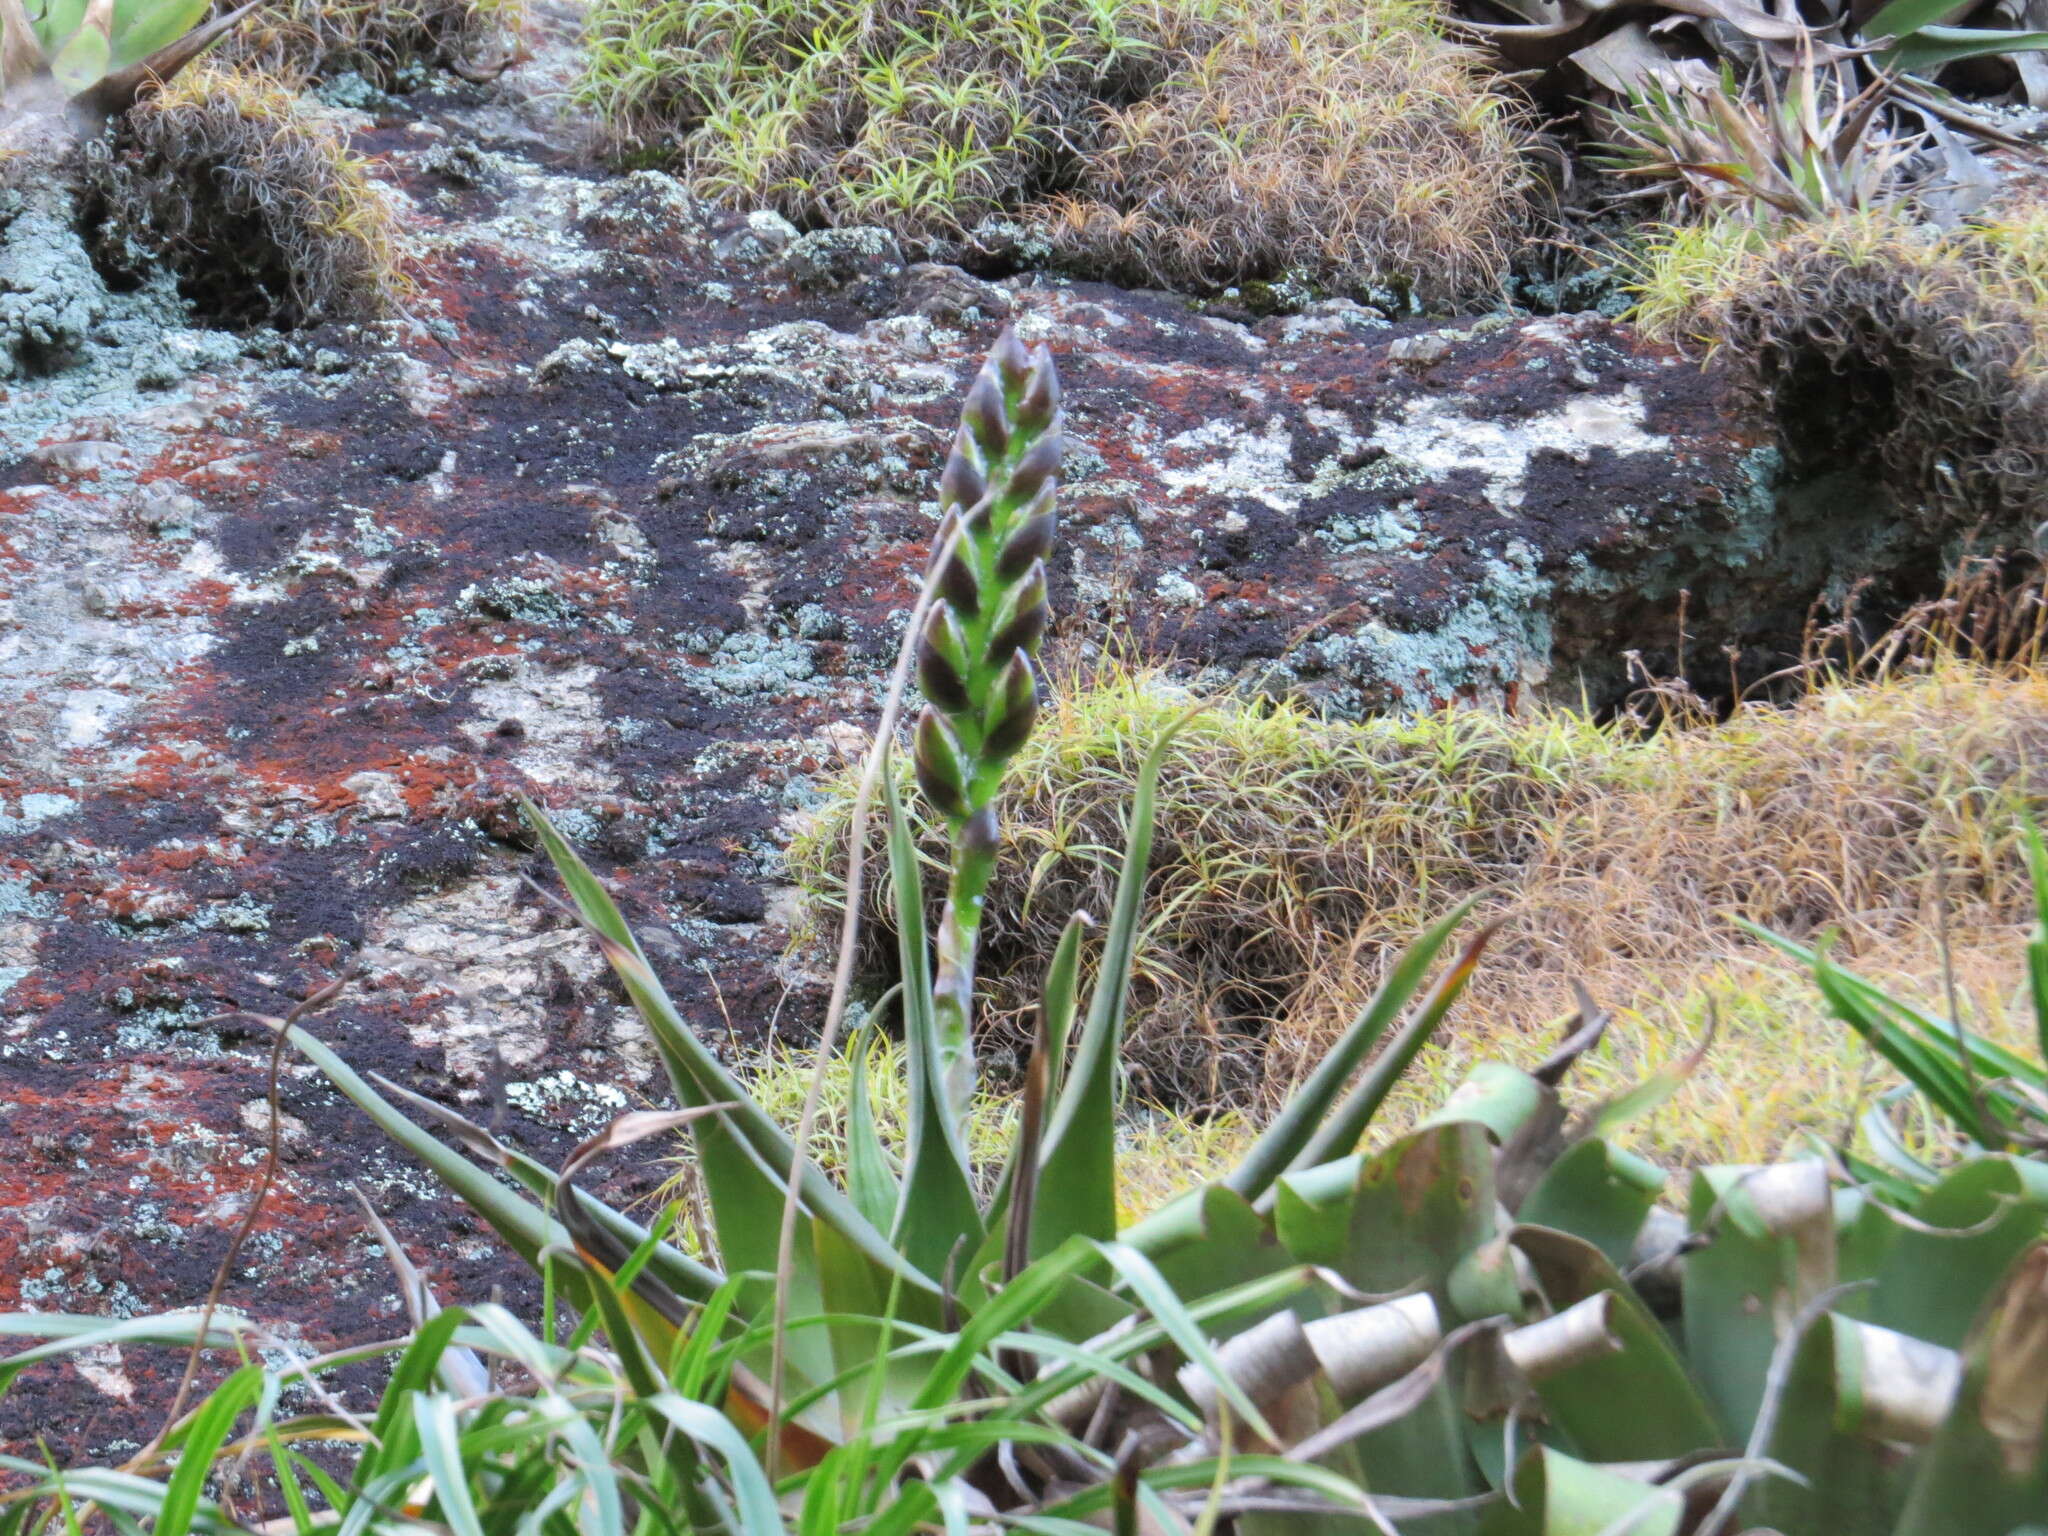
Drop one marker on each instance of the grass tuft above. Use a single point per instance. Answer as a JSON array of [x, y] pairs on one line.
[[1295, 855], [1195, 142], [391, 43], [254, 198], [1923, 348]]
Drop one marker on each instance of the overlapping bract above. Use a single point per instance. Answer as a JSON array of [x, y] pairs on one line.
[[997, 500]]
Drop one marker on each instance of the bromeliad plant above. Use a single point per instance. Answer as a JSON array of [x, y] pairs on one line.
[[1800, 110], [98, 55], [1489, 1327], [1803, 145]]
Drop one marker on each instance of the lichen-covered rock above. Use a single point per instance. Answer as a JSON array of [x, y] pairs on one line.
[[50, 295], [952, 297], [763, 236], [826, 259]]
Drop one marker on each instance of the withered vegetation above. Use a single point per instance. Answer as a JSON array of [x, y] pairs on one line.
[[253, 197]]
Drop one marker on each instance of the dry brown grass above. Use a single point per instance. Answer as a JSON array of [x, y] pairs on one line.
[[1294, 856], [1875, 338], [1198, 142], [1304, 141], [385, 41], [253, 197]]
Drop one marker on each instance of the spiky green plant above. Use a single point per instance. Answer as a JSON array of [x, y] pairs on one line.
[[1812, 145], [1990, 1097], [907, 1246]]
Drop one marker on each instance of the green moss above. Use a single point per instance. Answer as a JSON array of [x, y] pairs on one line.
[[1205, 143]]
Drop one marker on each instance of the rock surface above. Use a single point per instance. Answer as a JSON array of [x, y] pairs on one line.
[[626, 518]]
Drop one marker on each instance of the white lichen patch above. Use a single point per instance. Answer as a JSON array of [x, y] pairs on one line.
[[561, 716], [488, 968], [1436, 436], [1251, 463], [92, 628]]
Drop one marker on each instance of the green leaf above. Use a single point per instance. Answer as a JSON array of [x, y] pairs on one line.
[[1558, 1495], [198, 1446], [1937, 1074], [1598, 1192], [1986, 1473], [1062, 982], [1932, 47], [57, 21], [81, 62], [732, 1147], [1420, 1207], [1498, 1096], [141, 31], [1008, 1309], [1151, 1289], [2037, 942], [752, 1494], [1231, 1244], [1348, 1123], [1963, 1234], [1904, 18], [869, 1179], [1077, 1178], [1279, 1147], [441, 1450], [937, 1219], [1636, 1404], [69, 1334], [1851, 1487], [1737, 1291]]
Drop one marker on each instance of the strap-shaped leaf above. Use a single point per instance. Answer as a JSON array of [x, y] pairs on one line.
[[1281, 1143], [869, 1179], [1077, 1181], [699, 1078], [1347, 1124]]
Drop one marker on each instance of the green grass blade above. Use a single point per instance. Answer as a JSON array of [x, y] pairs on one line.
[[1940, 1077], [1989, 1058], [1292, 1129], [1150, 1287], [288, 1483], [870, 1181], [441, 1450], [393, 1433], [1008, 1309], [73, 1333], [754, 1498], [198, 1446]]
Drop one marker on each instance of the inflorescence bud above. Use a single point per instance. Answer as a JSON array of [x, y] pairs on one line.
[[996, 530]]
